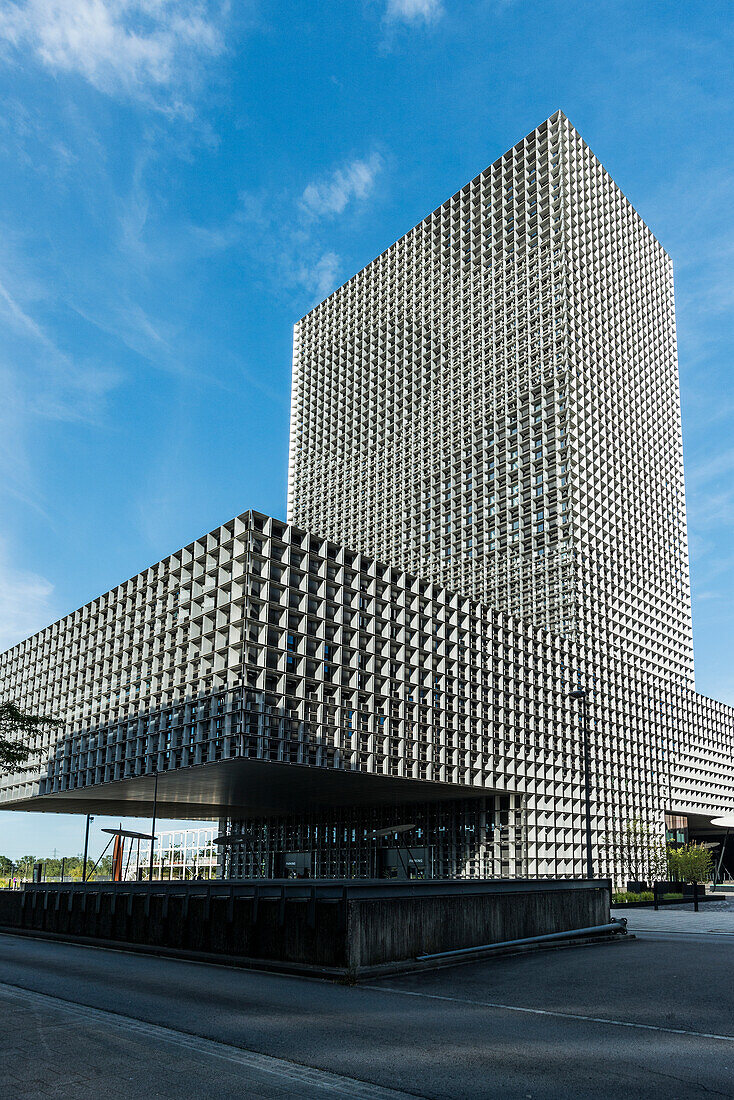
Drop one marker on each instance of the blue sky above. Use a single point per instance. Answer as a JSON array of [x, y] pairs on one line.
[[181, 180]]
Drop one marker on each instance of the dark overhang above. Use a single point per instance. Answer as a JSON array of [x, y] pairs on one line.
[[244, 788]]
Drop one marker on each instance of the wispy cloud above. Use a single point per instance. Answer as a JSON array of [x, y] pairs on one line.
[[293, 233], [320, 277], [702, 472], [352, 181], [57, 386], [413, 11], [303, 255], [39, 383], [25, 601], [129, 47]]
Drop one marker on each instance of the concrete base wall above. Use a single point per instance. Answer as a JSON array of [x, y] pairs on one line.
[[391, 929], [337, 926]]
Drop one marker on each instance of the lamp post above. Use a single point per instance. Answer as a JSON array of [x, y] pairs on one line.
[[581, 695], [86, 848]]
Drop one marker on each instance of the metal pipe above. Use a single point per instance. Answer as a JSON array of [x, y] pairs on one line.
[[152, 831], [617, 926]]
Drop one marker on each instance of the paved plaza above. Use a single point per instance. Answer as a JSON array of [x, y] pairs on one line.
[[646, 1017], [713, 917]]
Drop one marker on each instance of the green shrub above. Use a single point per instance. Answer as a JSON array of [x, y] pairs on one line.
[[690, 863], [620, 896]]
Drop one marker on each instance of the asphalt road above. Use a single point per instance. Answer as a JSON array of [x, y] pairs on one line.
[[653, 1017]]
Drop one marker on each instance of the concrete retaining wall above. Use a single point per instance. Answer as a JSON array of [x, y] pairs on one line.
[[338, 926], [390, 929]]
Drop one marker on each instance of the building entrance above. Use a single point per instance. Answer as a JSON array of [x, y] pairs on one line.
[[293, 865], [404, 864]]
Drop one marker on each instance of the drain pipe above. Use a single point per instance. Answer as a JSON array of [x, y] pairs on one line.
[[618, 926]]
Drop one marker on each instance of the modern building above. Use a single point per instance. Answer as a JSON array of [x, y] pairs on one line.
[[493, 405], [486, 513], [179, 855]]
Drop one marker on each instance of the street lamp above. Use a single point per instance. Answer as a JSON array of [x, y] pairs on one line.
[[86, 848], [581, 695]]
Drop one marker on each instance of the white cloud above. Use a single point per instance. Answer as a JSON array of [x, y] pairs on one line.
[[321, 277], [25, 602], [705, 470], [39, 382], [413, 11], [54, 385], [131, 46], [288, 233], [353, 181]]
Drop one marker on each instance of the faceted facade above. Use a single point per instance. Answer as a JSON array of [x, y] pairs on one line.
[[493, 404], [261, 642], [486, 513]]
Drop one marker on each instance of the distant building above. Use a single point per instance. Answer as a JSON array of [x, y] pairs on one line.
[[180, 854]]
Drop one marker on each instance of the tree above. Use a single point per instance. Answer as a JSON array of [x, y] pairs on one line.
[[24, 866], [635, 851], [6, 866], [690, 863], [104, 867], [18, 728]]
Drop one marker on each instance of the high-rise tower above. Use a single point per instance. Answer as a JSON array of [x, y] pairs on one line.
[[493, 404]]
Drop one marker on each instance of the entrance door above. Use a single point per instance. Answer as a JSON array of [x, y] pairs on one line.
[[293, 865], [403, 863]]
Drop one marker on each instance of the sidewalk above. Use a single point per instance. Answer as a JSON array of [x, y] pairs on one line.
[[715, 917]]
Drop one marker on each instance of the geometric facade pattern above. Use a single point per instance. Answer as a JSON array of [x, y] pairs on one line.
[[262, 641], [486, 511], [493, 404]]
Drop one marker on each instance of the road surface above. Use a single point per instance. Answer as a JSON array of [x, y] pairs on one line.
[[653, 1017]]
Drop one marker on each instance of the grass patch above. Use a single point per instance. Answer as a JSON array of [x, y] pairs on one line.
[[621, 896]]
